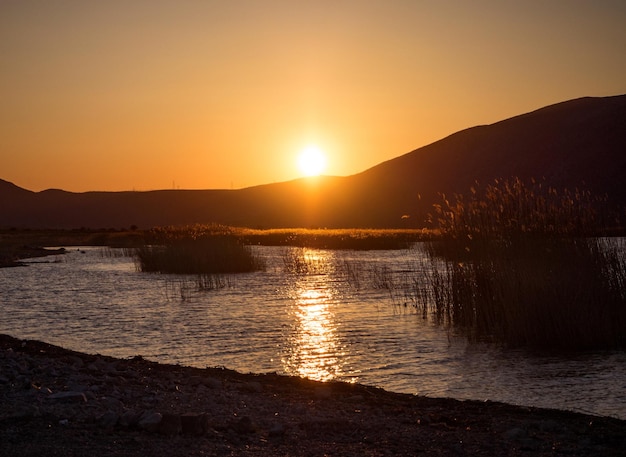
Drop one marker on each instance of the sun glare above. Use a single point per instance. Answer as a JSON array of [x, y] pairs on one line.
[[312, 161]]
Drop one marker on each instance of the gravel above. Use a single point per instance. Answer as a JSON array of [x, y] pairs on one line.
[[56, 402]]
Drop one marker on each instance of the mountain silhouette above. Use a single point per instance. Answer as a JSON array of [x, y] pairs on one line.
[[579, 143]]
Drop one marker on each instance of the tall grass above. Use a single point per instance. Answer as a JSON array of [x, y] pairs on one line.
[[348, 239], [305, 261], [520, 267], [402, 286], [196, 250], [186, 287]]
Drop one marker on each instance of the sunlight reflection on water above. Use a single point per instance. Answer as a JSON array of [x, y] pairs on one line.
[[313, 349]]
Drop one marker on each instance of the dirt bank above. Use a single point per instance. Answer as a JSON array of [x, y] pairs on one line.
[[55, 402]]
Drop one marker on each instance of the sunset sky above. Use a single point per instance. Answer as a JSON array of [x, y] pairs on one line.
[[149, 94]]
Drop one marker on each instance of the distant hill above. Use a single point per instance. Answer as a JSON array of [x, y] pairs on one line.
[[577, 143]]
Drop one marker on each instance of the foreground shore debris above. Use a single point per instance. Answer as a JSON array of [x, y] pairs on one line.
[[59, 402]]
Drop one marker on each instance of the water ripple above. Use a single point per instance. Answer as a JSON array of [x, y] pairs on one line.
[[318, 325]]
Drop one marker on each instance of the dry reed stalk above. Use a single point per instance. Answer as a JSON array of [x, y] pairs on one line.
[[521, 269]]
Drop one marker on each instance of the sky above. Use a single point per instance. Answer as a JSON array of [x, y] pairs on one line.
[[149, 94]]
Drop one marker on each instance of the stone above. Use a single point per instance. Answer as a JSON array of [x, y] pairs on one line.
[[244, 426], [69, 396], [514, 434], [194, 423], [149, 400], [149, 421], [112, 403], [76, 361], [550, 426], [52, 371], [252, 387], [195, 380], [109, 419], [212, 383], [130, 418], [89, 395], [25, 411], [277, 430], [323, 393], [24, 382], [77, 387], [170, 424]]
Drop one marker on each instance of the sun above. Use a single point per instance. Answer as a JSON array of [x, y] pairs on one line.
[[312, 161]]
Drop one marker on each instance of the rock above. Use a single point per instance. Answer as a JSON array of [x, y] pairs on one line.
[[212, 383], [101, 365], [170, 424], [529, 444], [244, 426], [76, 361], [277, 430], [108, 419], [205, 381], [89, 395], [23, 381], [25, 411], [515, 434], [252, 387], [112, 403], [195, 380], [69, 396], [94, 388], [150, 421], [53, 371], [194, 424], [550, 426], [149, 401], [323, 393], [130, 418], [77, 387]]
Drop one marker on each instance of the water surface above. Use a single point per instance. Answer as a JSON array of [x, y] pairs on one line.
[[333, 322]]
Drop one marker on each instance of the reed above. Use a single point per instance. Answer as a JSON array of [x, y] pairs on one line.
[[356, 274], [304, 261], [186, 287], [336, 239], [197, 250], [520, 268]]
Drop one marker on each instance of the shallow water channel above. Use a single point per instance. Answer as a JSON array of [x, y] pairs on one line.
[[342, 317]]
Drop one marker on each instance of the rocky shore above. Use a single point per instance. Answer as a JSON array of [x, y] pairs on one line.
[[56, 402]]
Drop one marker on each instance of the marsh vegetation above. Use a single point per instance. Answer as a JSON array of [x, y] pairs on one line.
[[521, 267], [511, 262], [196, 250], [517, 263], [207, 253], [341, 239]]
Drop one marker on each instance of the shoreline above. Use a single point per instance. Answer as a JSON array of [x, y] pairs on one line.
[[11, 258], [55, 401]]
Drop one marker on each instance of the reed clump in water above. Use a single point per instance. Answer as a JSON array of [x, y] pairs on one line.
[[199, 250], [305, 261], [521, 267], [348, 239]]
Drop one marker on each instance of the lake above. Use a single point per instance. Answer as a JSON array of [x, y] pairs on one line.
[[340, 317]]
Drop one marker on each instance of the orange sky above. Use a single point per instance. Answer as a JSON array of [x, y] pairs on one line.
[[122, 95]]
